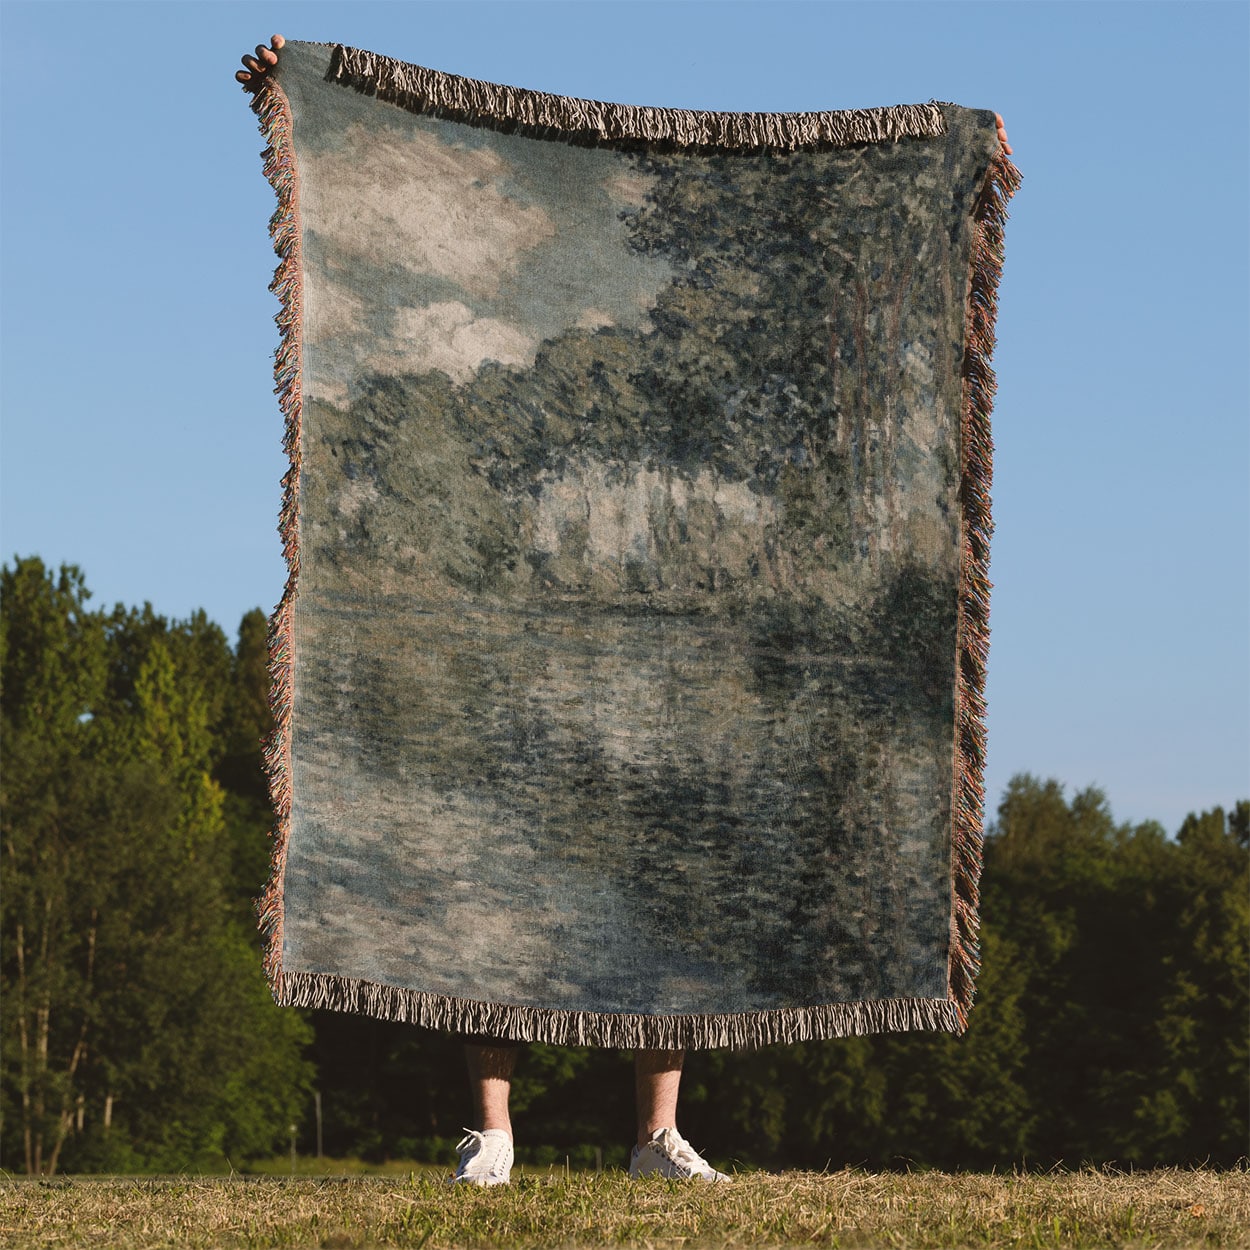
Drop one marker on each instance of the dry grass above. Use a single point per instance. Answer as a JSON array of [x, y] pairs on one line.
[[1171, 1208]]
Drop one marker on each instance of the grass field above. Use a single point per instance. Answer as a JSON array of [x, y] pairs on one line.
[[840, 1209]]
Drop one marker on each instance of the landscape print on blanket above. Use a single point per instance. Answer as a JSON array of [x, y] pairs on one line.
[[630, 535]]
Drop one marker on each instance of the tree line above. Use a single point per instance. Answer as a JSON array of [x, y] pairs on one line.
[[138, 1033]]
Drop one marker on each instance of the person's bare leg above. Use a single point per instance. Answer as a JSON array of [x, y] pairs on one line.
[[657, 1078], [490, 1079]]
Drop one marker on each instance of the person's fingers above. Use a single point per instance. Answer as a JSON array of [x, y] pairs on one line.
[[257, 66], [1002, 133]]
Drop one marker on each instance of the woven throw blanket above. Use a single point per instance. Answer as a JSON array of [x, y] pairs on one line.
[[628, 676]]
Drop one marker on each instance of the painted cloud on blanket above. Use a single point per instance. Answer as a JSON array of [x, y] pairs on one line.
[[488, 256], [449, 337], [435, 208]]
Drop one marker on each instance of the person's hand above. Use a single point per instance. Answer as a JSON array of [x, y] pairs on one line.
[[998, 117], [259, 65]]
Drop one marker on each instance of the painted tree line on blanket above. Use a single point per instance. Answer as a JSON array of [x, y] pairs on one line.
[[138, 1031]]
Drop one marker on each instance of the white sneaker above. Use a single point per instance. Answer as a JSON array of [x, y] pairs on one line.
[[485, 1158], [668, 1153]]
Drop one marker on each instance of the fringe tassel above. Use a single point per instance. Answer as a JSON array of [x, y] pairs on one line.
[[274, 113], [424, 90], [967, 835], [623, 1031]]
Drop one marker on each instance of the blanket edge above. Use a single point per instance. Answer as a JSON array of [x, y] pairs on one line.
[[973, 631], [423, 90], [620, 1030], [273, 112]]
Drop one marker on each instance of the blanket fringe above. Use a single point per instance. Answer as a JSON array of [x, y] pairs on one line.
[[626, 1031], [274, 113], [1002, 181], [427, 90]]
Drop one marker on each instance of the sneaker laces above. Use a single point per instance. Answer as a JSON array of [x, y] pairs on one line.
[[474, 1145], [681, 1152]]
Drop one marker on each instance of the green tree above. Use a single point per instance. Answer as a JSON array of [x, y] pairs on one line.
[[1198, 1109], [141, 1032], [1135, 961], [245, 725], [53, 669]]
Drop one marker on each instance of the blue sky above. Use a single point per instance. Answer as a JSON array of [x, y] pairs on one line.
[[141, 437]]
